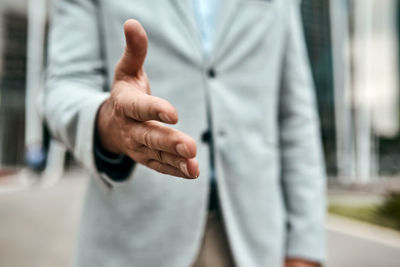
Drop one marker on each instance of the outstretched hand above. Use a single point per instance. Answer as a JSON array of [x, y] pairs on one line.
[[131, 120]]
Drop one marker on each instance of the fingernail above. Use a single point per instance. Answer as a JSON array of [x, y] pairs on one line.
[[183, 167], [164, 117], [182, 150]]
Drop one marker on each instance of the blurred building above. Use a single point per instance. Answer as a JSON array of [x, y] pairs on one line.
[[365, 73], [13, 39], [316, 21], [352, 49], [22, 46]]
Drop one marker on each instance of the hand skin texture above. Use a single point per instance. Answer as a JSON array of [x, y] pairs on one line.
[[131, 120], [300, 263]]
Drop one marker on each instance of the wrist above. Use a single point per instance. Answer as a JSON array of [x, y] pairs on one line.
[[104, 130]]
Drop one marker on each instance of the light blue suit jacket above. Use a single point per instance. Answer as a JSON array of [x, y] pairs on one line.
[[265, 127]]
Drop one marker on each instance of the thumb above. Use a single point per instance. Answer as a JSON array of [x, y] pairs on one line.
[[135, 52]]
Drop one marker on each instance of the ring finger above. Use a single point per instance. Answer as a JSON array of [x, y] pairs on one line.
[[187, 166]]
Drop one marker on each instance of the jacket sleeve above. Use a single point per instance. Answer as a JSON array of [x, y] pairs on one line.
[[76, 79], [303, 170]]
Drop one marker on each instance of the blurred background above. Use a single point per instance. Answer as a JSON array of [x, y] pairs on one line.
[[353, 49]]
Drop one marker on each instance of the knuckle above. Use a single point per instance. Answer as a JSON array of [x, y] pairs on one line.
[[118, 108], [155, 154], [160, 156], [125, 104], [135, 110], [146, 138]]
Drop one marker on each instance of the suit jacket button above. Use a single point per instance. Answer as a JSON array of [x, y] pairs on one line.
[[211, 73], [206, 137]]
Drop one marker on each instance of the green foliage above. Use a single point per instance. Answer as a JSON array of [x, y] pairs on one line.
[[362, 213], [386, 214], [389, 210]]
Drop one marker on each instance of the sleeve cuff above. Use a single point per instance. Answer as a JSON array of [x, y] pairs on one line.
[[309, 246], [116, 167]]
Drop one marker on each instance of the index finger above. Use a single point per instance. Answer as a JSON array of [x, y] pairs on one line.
[[143, 107]]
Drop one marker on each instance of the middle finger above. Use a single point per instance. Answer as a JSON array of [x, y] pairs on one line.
[[157, 136]]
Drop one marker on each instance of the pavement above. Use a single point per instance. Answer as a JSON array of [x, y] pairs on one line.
[[356, 244], [38, 226]]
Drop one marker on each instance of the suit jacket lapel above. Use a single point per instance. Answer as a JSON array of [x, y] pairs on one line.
[[223, 23], [184, 9], [185, 12]]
